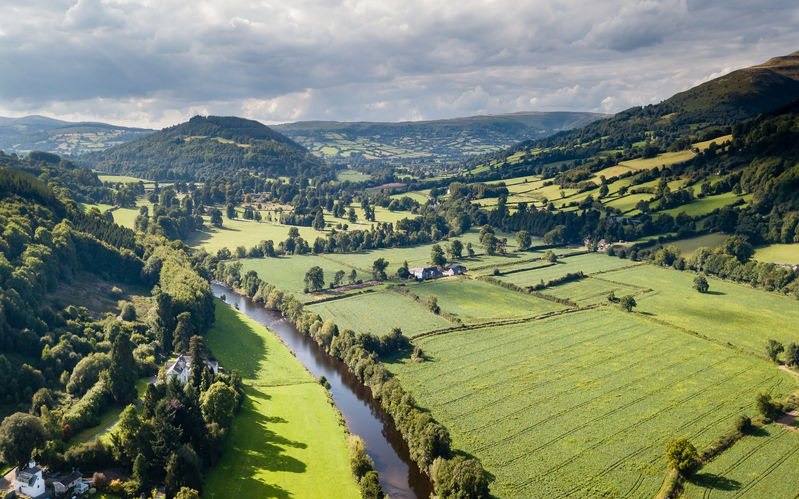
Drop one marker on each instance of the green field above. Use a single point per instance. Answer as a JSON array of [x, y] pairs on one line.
[[475, 301], [592, 290], [288, 273], [703, 206], [730, 313], [759, 466], [379, 313], [287, 441], [589, 263], [582, 404], [352, 175], [666, 158], [778, 253], [689, 246], [247, 233], [124, 179]]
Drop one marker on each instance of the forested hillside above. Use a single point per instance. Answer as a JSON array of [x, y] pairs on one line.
[[208, 147]]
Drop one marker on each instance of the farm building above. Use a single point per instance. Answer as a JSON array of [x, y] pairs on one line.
[[30, 481], [434, 272], [181, 368]]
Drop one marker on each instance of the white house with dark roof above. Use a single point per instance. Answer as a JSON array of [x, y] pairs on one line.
[[181, 368], [30, 481]]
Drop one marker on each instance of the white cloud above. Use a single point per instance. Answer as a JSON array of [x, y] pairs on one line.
[[151, 62]]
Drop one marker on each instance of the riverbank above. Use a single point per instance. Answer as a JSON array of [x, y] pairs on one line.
[[288, 440]]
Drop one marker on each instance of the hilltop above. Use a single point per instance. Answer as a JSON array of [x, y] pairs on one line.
[[428, 142], [68, 138], [207, 147]]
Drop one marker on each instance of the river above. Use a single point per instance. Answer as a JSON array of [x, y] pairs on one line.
[[399, 476]]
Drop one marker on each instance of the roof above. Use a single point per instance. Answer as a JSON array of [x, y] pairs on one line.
[[28, 475]]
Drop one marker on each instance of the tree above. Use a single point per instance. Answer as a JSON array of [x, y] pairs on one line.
[[556, 236], [455, 250], [773, 349], [459, 478], [353, 276], [184, 330], [379, 269], [739, 247], [351, 216], [198, 355], [128, 312], [792, 355], [140, 472], [86, 373], [550, 256], [122, 374], [701, 284], [437, 255], [627, 303], [524, 240], [187, 493], [231, 211], [20, 433], [338, 278], [315, 278], [490, 243], [682, 456], [360, 462], [403, 272], [766, 406], [470, 249], [319, 221], [603, 190], [216, 218], [218, 404], [370, 486]]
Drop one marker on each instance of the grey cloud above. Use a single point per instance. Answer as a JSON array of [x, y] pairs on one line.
[[155, 63]]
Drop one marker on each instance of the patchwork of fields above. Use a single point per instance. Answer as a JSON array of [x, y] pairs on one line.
[[580, 401], [582, 404]]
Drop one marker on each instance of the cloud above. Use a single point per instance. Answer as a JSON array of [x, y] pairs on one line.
[[155, 62]]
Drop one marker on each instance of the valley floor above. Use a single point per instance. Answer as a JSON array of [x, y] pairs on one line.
[[287, 440]]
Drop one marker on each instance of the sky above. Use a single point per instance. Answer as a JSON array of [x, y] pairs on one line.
[[155, 63]]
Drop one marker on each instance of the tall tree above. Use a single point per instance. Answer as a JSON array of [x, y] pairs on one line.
[[20, 433], [437, 255], [524, 240], [123, 372], [198, 355], [184, 330], [315, 278]]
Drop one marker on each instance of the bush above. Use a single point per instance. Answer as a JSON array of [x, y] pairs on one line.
[[743, 424], [459, 478], [682, 456], [128, 312], [701, 284]]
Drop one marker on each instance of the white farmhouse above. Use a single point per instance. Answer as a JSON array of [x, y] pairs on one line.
[[30, 481], [181, 368]]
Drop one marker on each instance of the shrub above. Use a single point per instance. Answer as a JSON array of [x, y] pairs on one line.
[[743, 424], [682, 456], [701, 284]]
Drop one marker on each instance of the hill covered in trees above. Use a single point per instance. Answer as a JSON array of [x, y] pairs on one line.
[[40, 133], [208, 147], [428, 142]]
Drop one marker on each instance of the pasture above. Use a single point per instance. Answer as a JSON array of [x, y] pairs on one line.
[[351, 175], [663, 159], [729, 313], [474, 301], [287, 440], [588, 263], [247, 233], [778, 253], [288, 273], [379, 313], [584, 403], [759, 465], [592, 290]]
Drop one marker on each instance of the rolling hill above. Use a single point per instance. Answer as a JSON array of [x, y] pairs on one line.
[[40, 133], [208, 147], [427, 141]]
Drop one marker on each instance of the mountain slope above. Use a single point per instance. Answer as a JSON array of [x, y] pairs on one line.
[[41, 133], [208, 147], [707, 110], [428, 141]]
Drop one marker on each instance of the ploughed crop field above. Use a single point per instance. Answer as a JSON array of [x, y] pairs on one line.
[[760, 465], [583, 404], [287, 440]]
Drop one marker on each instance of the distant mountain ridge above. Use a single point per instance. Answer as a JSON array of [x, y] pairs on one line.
[[428, 141], [206, 147], [68, 138]]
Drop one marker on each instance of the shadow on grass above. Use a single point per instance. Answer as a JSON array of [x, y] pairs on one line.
[[713, 481], [714, 293], [254, 446]]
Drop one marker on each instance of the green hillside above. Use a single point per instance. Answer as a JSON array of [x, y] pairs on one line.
[[428, 141], [207, 147]]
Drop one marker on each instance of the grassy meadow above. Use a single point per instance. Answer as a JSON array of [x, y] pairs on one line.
[[584, 403], [288, 440], [778, 253]]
